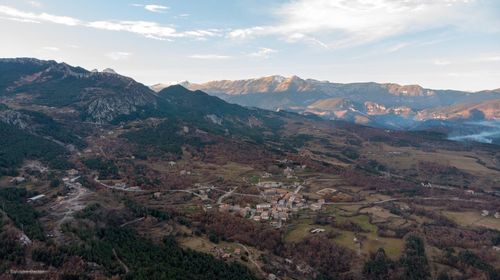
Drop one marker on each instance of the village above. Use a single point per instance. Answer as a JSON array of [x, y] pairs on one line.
[[279, 203]]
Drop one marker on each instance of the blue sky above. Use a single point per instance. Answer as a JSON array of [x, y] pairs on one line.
[[436, 43]]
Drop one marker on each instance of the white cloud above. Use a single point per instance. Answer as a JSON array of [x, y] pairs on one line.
[[147, 29], [209, 56], [262, 52], [42, 17], [340, 23], [156, 8], [52, 49], [118, 55], [153, 8]]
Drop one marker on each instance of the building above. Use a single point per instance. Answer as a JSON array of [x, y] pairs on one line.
[[72, 172], [36, 198], [315, 206], [262, 206], [469, 192], [264, 216], [485, 213], [317, 230], [269, 184], [224, 207], [18, 180]]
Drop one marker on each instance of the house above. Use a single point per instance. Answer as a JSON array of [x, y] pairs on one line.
[[269, 184], [264, 216], [35, 198], [485, 213], [224, 207], [317, 230], [497, 215], [283, 216], [469, 192], [426, 185], [72, 180], [266, 175], [18, 180], [24, 239], [72, 172], [157, 195], [288, 171], [262, 206], [315, 206]]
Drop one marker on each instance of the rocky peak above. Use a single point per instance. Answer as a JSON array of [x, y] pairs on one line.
[[109, 71], [407, 90]]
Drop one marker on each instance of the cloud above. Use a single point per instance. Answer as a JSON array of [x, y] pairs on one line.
[[15, 14], [262, 52], [153, 8], [52, 49], [118, 55], [147, 29], [156, 8], [209, 56], [341, 23]]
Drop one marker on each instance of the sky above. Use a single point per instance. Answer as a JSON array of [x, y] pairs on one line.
[[439, 44]]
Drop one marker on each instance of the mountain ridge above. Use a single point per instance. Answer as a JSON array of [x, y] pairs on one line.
[[388, 100]]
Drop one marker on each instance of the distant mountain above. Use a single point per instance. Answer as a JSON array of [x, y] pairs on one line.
[[485, 110], [386, 105]]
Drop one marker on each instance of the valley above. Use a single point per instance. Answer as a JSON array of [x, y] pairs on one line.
[[391, 106], [109, 179]]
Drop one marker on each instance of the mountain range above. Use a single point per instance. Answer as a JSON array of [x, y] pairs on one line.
[[386, 105]]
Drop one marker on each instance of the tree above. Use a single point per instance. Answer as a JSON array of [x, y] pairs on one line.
[[377, 268], [414, 260]]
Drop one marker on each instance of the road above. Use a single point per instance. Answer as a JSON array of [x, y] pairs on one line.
[[406, 198], [68, 206], [96, 179], [227, 194], [250, 258]]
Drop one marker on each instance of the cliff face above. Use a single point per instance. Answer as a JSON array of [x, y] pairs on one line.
[[98, 96]]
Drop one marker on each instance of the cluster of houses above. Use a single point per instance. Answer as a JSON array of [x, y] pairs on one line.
[[226, 252], [486, 213], [71, 181], [279, 204]]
